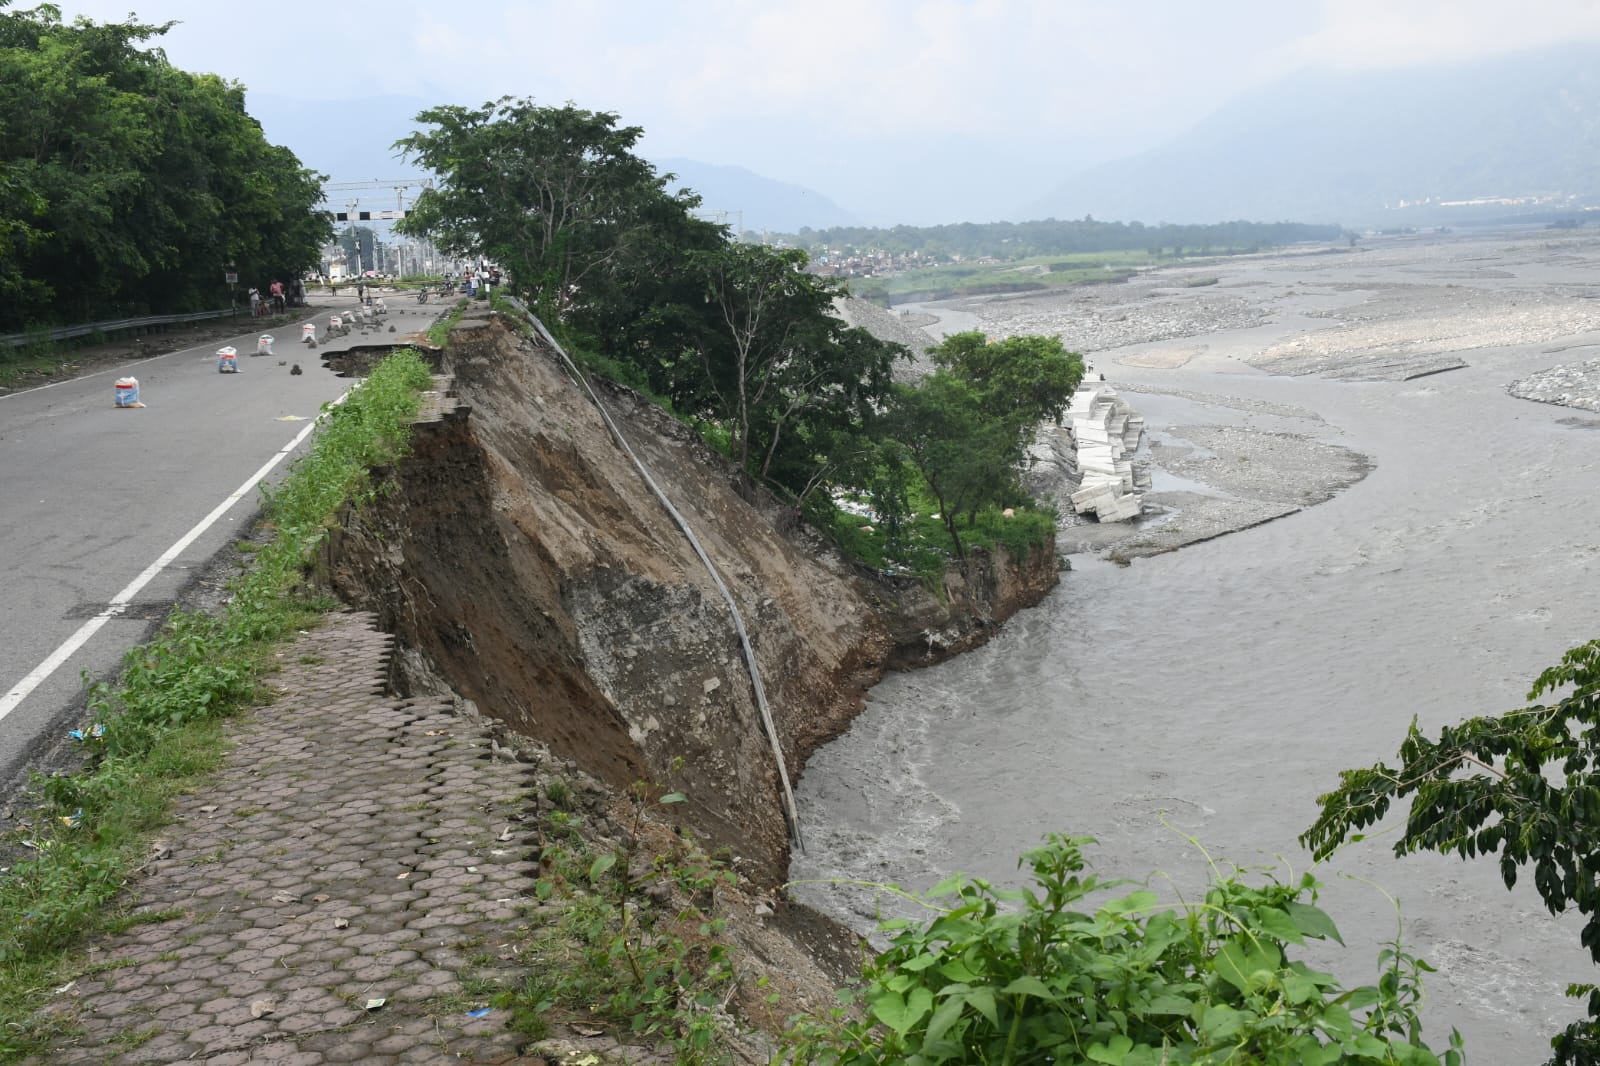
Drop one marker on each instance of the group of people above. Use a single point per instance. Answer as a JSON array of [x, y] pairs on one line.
[[486, 280], [278, 298]]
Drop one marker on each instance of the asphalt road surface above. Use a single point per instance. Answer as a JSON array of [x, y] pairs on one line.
[[93, 498]]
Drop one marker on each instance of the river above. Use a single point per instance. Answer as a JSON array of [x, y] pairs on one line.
[[1214, 692]]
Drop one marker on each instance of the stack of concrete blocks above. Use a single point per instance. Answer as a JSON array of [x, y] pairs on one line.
[[1105, 433]]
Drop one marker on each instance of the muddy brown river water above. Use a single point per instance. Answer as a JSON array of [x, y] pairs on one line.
[[1215, 691]]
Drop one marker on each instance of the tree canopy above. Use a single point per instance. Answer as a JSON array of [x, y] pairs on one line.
[[738, 339], [554, 195], [738, 336], [128, 186], [967, 426]]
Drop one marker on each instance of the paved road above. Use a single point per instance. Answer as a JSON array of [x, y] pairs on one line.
[[92, 496]]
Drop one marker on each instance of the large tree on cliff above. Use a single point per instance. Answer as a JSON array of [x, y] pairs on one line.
[[554, 195], [1524, 785], [735, 334], [774, 358]]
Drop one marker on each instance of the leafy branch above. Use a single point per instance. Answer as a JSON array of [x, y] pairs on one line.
[[1534, 803]]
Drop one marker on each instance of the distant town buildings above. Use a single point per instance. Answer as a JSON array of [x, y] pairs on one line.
[[853, 263]]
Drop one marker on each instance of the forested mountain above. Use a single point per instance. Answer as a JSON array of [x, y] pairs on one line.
[[1351, 147]]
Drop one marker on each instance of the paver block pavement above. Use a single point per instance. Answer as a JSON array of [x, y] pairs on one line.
[[309, 880]]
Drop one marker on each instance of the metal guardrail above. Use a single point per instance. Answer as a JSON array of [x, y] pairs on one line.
[[17, 340]]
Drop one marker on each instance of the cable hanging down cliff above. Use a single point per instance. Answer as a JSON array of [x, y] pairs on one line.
[[791, 813]]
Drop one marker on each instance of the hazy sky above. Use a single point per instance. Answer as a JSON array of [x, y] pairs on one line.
[[900, 110]]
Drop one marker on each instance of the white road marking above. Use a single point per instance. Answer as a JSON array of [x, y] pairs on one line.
[[119, 602]]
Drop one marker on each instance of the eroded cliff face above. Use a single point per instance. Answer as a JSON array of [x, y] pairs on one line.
[[519, 550]]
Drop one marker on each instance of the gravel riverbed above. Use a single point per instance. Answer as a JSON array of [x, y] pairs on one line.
[[1412, 531]]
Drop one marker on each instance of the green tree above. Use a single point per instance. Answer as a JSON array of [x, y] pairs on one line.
[[1523, 786], [966, 427], [966, 459], [129, 186], [734, 334], [774, 355], [1021, 380], [19, 204], [554, 195]]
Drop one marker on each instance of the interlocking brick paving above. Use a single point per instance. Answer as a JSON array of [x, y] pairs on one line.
[[353, 847]]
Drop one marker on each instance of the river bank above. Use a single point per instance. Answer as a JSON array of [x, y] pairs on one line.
[[1217, 690]]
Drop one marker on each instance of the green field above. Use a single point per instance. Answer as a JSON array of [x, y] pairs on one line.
[[1021, 275]]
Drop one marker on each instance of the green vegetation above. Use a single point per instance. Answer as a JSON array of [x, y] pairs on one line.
[[127, 186], [153, 730], [1056, 238], [1036, 273], [737, 340], [439, 331], [617, 952], [920, 543], [1525, 786], [1013, 977], [960, 435]]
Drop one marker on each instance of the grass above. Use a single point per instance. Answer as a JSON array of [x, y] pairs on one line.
[[36, 359], [1035, 274], [1022, 275], [160, 720], [614, 955], [439, 332]]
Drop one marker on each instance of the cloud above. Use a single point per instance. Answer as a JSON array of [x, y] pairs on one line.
[[877, 104], [1358, 34]]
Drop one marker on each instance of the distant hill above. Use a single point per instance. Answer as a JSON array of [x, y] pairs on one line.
[[1351, 147], [765, 204]]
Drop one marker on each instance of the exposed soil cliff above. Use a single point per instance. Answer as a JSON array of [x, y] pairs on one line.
[[519, 551]]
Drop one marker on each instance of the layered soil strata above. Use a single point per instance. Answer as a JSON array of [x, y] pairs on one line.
[[520, 552]]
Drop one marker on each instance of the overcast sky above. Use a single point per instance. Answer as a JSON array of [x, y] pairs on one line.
[[900, 110]]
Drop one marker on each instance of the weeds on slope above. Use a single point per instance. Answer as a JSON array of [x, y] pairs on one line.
[[439, 332], [152, 732], [631, 943]]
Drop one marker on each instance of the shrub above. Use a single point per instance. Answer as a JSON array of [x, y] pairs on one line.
[[1009, 978]]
